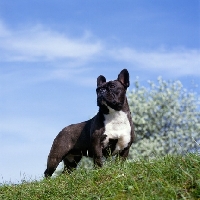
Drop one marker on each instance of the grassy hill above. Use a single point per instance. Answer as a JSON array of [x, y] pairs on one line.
[[171, 177]]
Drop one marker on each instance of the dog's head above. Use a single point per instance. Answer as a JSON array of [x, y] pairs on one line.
[[112, 94]]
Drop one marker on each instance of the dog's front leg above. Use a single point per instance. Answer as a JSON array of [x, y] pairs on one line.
[[124, 153], [97, 148]]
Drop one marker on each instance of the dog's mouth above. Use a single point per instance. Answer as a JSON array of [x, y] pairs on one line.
[[110, 104]]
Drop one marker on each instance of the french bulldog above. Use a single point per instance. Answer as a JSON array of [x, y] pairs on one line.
[[109, 132]]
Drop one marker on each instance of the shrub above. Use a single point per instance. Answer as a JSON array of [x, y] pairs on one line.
[[166, 118]]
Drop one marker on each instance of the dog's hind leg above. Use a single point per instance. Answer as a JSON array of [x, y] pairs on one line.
[[52, 164], [56, 155], [71, 162], [62, 145], [59, 150]]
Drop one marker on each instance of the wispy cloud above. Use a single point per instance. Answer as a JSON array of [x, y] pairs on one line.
[[175, 62], [42, 44], [66, 56]]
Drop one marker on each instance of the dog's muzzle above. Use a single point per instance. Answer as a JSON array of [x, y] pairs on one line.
[[102, 91]]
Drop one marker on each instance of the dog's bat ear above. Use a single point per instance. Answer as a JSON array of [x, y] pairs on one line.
[[123, 77], [101, 79]]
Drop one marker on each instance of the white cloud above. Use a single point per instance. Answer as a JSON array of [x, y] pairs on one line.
[[41, 44], [174, 62], [67, 56]]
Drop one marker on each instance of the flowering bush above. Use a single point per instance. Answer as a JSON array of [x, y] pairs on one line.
[[166, 118]]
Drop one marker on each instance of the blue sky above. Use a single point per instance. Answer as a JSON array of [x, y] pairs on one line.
[[51, 53]]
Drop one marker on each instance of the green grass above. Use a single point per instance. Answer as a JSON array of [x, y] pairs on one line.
[[171, 177]]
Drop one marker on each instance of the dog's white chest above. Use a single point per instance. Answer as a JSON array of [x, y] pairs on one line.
[[117, 126]]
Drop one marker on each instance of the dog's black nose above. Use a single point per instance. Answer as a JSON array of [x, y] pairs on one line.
[[101, 93], [102, 90]]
